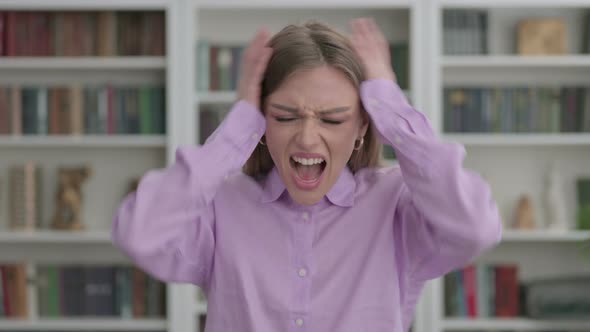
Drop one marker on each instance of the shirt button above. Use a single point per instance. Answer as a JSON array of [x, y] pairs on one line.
[[398, 139], [302, 272], [299, 322], [305, 216], [254, 136]]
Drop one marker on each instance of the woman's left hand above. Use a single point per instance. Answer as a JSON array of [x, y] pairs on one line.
[[372, 49]]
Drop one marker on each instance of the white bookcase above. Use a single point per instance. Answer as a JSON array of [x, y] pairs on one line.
[[114, 160], [514, 163]]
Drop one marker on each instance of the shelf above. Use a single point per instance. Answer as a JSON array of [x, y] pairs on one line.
[[284, 4], [84, 63], [512, 3], [514, 61], [545, 236], [82, 324], [519, 324], [55, 237], [519, 139], [114, 141]]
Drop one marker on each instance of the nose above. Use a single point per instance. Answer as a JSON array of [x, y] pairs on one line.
[[308, 135]]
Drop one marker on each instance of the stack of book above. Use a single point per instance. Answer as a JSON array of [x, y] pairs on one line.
[[516, 109], [482, 291], [13, 291], [84, 290], [465, 32], [25, 196], [70, 33], [41, 110], [218, 66]]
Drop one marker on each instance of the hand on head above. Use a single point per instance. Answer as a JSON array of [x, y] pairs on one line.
[[253, 66], [372, 48]]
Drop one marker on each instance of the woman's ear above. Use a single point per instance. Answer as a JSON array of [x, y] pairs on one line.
[[364, 123]]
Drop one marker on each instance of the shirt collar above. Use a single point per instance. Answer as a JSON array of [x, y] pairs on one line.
[[341, 193]]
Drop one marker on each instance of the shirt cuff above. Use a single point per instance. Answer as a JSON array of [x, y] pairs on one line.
[[243, 127]]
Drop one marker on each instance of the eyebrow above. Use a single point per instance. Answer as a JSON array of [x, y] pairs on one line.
[[323, 112]]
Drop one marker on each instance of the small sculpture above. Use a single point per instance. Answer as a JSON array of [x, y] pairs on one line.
[[524, 216], [68, 210], [554, 201]]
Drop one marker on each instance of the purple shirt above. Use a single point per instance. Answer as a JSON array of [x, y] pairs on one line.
[[356, 261]]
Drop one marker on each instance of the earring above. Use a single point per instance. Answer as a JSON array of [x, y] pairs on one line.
[[360, 143]]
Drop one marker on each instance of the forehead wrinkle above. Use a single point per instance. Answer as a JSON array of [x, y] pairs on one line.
[[332, 110]]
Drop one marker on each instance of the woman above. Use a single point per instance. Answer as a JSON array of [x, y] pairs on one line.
[[311, 235]]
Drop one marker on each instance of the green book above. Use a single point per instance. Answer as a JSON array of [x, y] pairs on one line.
[[583, 186], [145, 116], [53, 289]]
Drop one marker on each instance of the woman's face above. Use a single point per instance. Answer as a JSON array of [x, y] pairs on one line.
[[312, 122]]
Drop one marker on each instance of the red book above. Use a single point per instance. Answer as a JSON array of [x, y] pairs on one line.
[[4, 112], [507, 296], [213, 69], [2, 34], [470, 284], [10, 35], [110, 111], [6, 290]]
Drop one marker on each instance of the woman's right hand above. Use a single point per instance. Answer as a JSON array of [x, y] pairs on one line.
[[253, 66]]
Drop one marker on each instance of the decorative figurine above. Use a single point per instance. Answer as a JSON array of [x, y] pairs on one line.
[[68, 210], [524, 216]]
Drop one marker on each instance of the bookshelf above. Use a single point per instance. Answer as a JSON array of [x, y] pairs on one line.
[[515, 162], [114, 158]]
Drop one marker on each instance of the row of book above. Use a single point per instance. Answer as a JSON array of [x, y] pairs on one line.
[[517, 109], [71, 33], [82, 290], [82, 110], [465, 32], [218, 66], [482, 290]]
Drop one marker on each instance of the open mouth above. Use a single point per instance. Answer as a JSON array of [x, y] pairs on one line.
[[307, 172]]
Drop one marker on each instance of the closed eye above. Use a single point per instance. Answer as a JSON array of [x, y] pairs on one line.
[[333, 122], [281, 119]]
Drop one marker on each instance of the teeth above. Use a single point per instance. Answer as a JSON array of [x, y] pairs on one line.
[[308, 162]]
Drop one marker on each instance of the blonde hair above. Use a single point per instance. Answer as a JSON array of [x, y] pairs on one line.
[[308, 46]]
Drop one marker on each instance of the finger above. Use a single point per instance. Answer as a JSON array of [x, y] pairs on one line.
[[377, 33], [262, 63], [252, 52], [364, 28], [356, 27], [260, 39]]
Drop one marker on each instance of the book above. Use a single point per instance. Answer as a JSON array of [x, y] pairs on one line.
[[583, 195]]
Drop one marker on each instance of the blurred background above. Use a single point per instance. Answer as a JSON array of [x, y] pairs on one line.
[[93, 93]]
